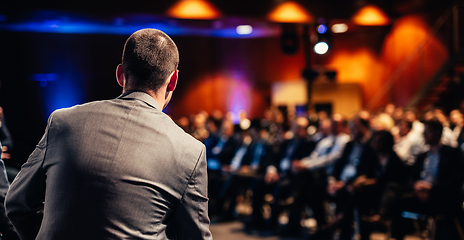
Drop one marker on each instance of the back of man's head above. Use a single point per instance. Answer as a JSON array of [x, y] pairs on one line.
[[434, 124], [149, 57], [433, 129]]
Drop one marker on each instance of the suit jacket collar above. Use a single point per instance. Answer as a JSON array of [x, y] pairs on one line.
[[142, 96]]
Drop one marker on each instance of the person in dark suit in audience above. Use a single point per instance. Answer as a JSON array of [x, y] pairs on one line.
[[221, 153], [352, 170], [434, 186], [247, 165], [119, 168], [219, 157], [279, 180], [314, 170], [375, 201]]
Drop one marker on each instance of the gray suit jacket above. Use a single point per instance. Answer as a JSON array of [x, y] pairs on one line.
[[112, 169]]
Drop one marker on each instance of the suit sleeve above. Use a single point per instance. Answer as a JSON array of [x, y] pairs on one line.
[[191, 216], [25, 199]]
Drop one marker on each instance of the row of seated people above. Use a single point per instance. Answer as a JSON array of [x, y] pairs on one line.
[[365, 171]]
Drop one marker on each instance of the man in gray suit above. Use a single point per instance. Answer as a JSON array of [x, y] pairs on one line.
[[120, 168]]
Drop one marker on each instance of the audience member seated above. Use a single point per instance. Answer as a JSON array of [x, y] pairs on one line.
[[318, 166], [223, 151], [199, 126], [457, 123], [447, 137], [378, 194], [417, 126], [434, 186], [408, 144], [217, 157], [351, 171], [226, 212], [212, 126], [248, 164], [279, 180]]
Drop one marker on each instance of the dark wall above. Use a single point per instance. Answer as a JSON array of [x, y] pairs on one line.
[[82, 69]]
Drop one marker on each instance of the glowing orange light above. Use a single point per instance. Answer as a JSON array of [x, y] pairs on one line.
[[193, 9], [290, 12], [371, 16]]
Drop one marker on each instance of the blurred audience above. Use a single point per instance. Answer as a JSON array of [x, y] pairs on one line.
[[387, 163], [318, 166], [352, 171], [279, 180], [434, 187]]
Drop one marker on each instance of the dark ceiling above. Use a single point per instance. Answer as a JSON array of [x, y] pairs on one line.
[[331, 9]]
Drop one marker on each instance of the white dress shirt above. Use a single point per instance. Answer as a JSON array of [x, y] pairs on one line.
[[326, 152]]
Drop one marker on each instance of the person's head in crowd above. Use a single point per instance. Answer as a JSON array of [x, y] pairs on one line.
[[256, 129], [360, 127], [268, 115], [279, 117], [390, 109], [410, 115], [456, 118], [383, 121], [404, 127], [184, 123], [319, 117], [217, 115], [149, 63], [382, 142], [300, 127], [433, 129], [227, 128], [213, 125], [338, 124], [428, 114], [325, 126], [228, 116], [200, 120], [364, 114], [398, 114]]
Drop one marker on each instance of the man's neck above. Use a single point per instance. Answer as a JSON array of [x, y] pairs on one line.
[[158, 98]]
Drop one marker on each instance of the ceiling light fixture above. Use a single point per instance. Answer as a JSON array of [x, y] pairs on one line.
[[371, 15], [290, 12], [194, 9]]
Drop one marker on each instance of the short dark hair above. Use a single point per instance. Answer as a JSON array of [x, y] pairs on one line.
[[148, 58], [385, 139], [434, 124]]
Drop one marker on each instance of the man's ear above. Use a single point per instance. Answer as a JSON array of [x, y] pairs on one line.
[[120, 75], [173, 81]]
